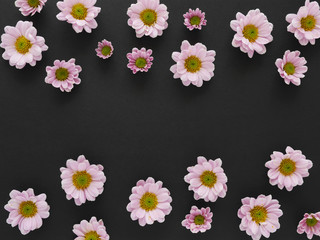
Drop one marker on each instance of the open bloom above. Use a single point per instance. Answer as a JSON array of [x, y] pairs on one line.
[[194, 19], [259, 216], [27, 7], [140, 60], [199, 220], [27, 210], [207, 179], [148, 17], [194, 64], [149, 202], [310, 224], [92, 230], [81, 180], [292, 67], [22, 45], [288, 170], [80, 13], [63, 74], [253, 31], [105, 49], [305, 25]]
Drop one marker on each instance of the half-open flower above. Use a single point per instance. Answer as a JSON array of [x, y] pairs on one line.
[[105, 49], [199, 220], [310, 224], [140, 60], [194, 19]]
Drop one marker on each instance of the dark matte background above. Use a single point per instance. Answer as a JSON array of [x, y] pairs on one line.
[[149, 124]]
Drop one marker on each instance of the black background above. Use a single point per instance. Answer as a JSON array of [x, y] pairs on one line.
[[149, 124]]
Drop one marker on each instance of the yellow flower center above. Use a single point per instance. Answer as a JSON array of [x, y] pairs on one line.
[[106, 50], [308, 23], [148, 201], [199, 220], [92, 235], [287, 167], [34, 3], [208, 179], [250, 32], [311, 222], [28, 209], [148, 17], [289, 68], [62, 74], [79, 11], [192, 64], [259, 214], [81, 180], [23, 45]]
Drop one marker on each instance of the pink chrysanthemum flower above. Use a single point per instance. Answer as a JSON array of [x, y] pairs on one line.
[[82, 181], [292, 67], [80, 13], [207, 179], [194, 19], [259, 216], [305, 25], [194, 64], [92, 230], [149, 202], [63, 74], [148, 17], [27, 7], [310, 224], [199, 220], [27, 210], [105, 49], [288, 170], [140, 60], [253, 31], [22, 45]]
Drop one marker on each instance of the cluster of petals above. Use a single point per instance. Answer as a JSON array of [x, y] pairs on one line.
[[161, 202], [158, 21], [194, 64], [94, 177], [22, 45], [310, 224], [104, 44], [70, 75], [292, 67], [190, 221], [30, 7], [26, 210], [305, 25], [138, 55], [288, 170], [86, 21], [194, 14], [200, 189], [259, 216], [253, 31], [93, 229]]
